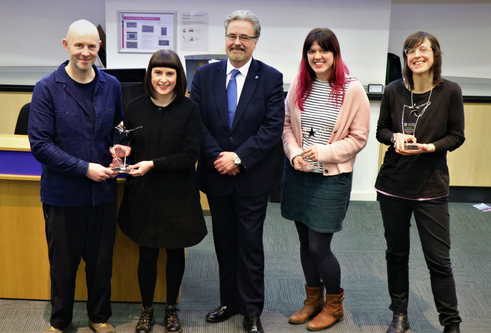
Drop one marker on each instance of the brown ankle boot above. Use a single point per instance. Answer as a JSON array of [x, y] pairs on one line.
[[331, 313], [311, 306]]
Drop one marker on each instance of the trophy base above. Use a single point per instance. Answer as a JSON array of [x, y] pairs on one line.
[[311, 168], [122, 169], [411, 146]]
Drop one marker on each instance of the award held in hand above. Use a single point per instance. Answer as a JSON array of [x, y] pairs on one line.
[[410, 117], [122, 137]]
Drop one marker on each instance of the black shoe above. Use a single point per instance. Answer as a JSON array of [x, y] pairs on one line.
[[253, 325], [220, 314], [171, 321], [452, 328], [399, 324], [146, 322]]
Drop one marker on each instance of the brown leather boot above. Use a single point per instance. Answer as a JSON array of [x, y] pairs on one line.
[[331, 313], [311, 306]]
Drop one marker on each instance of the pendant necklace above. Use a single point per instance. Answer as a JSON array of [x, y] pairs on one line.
[[415, 108]]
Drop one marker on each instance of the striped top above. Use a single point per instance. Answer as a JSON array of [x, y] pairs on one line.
[[319, 117]]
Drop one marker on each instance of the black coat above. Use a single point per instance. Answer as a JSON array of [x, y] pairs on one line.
[[162, 208]]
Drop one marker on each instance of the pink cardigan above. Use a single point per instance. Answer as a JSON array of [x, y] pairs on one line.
[[350, 133]]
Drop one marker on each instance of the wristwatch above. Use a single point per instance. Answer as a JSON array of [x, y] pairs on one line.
[[237, 160], [393, 138]]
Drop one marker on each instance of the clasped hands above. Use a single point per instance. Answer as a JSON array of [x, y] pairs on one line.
[[225, 165], [402, 139]]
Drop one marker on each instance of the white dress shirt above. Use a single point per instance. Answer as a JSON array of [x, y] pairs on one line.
[[240, 77]]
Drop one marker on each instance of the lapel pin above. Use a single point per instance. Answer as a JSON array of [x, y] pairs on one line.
[[256, 77]]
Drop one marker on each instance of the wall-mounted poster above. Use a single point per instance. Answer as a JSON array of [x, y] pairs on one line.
[[194, 31], [146, 31]]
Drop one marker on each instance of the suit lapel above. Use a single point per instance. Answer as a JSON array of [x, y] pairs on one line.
[[248, 90], [219, 80]]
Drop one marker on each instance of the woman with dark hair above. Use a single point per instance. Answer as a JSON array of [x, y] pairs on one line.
[[161, 202], [421, 118], [326, 125]]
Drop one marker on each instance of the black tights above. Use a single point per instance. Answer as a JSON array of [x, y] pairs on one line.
[[319, 264], [147, 273]]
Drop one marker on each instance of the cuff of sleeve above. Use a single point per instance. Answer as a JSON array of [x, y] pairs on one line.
[[82, 168]]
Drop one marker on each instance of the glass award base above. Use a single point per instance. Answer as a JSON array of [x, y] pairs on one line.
[[411, 146], [311, 167], [122, 169]]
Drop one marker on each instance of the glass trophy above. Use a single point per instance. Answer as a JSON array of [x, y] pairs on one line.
[[122, 137], [410, 118], [310, 138]]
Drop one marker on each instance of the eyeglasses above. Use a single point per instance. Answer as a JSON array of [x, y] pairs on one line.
[[422, 50], [242, 38]]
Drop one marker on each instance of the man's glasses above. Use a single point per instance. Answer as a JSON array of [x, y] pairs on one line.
[[242, 38], [422, 50]]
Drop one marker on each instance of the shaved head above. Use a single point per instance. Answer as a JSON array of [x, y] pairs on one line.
[[82, 27], [82, 43]]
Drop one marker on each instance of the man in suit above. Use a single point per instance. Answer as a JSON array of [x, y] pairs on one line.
[[71, 126], [243, 114]]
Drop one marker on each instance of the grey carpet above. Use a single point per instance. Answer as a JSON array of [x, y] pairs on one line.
[[360, 249]]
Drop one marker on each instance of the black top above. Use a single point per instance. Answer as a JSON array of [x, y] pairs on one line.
[[86, 91], [423, 175], [162, 208]]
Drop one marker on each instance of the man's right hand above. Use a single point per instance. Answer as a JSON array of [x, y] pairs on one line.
[[98, 173]]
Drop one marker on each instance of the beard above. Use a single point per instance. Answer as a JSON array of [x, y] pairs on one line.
[[237, 56]]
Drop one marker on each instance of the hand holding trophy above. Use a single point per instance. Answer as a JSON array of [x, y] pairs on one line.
[[121, 148]]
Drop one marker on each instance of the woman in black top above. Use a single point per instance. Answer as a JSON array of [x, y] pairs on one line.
[[421, 118], [161, 203]]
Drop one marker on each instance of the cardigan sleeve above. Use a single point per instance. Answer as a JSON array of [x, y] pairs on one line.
[[291, 142]]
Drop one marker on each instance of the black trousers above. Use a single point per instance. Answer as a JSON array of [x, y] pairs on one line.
[[73, 233], [238, 235], [433, 222]]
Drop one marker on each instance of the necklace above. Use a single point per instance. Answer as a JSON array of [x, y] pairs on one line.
[[424, 106], [414, 108]]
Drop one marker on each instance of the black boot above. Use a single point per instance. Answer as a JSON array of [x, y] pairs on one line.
[[146, 322], [399, 324], [171, 321], [452, 328]]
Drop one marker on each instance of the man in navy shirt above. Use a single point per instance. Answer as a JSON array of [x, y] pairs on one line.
[[73, 114]]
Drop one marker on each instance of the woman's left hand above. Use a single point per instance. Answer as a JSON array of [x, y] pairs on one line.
[[311, 154], [423, 148], [140, 169]]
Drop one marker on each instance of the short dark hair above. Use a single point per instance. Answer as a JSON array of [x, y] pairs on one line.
[[170, 59], [415, 40]]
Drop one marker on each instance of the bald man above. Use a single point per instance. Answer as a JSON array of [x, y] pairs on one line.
[[73, 114]]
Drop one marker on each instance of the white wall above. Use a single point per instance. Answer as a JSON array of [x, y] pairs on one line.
[[31, 32], [361, 27], [463, 30]]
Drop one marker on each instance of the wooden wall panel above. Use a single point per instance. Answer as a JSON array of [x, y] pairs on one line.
[[10, 105]]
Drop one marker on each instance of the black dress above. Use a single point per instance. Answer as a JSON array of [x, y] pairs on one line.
[[162, 208]]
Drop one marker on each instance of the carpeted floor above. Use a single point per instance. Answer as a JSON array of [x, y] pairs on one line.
[[360, 250]]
